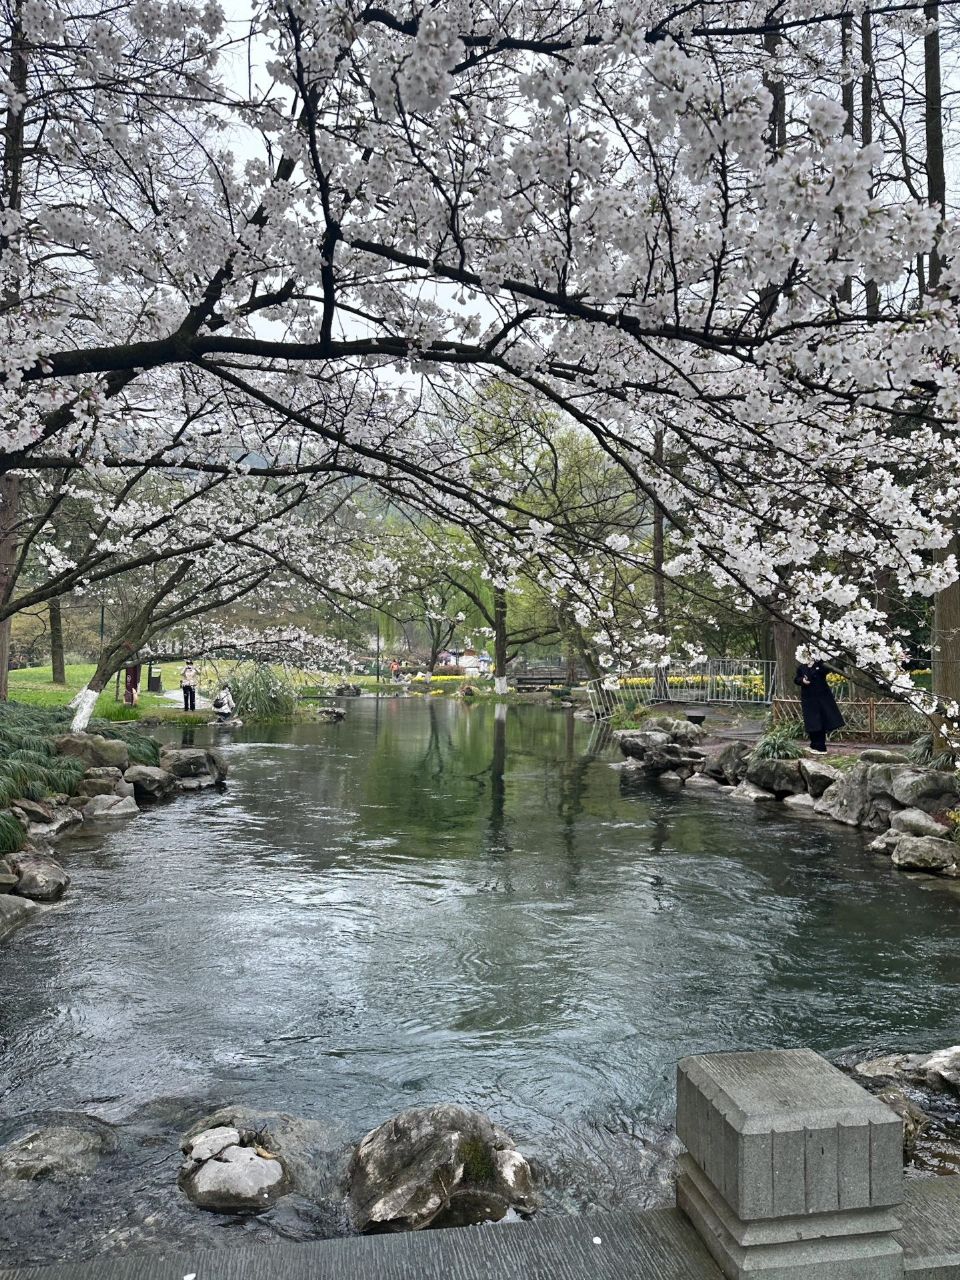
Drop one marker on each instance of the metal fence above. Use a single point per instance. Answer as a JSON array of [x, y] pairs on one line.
[[739, 680]]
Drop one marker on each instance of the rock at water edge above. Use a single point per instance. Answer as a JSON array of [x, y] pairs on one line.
[[818, 776], [57, 1151], [782, 777], [41, 878], [236, 1178], [112, 806], [14, 911], [924, 853], [95, 750], [149, 782], [437, 1166], [917, 822], [752, 793]]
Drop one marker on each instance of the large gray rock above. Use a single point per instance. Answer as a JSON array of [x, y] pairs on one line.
[[782, 777], [671, 758], [880, 755], [861, 797], [8, 877], [112, 806], [702, 782], [14, 912], [802, 802], [886, 842], [917, 822], [107, 772], [437, 1166], [315, 1155], [149, 782], [69, 1150], [729, 764], [750, 792], [194, 762], [637, 742], [222, 1174], [939, 1070], [94, 750], [924, 853], [818, 776], [32, 811], [928, 789], [41, 878], [96, 787]]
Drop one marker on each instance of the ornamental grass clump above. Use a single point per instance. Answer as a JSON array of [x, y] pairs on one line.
[[924, 752], [261, 693], [12, 834], [780, 743]]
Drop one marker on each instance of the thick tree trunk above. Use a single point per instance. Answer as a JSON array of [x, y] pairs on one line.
[[659, 586], [58, 666], [785, 641], [499, 640], [933, 120], [945, 641], [866, 125], [9, 512], [122, 648], [9, 246]]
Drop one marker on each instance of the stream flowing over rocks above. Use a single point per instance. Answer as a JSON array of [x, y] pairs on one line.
[[435, 907], [111, 789]]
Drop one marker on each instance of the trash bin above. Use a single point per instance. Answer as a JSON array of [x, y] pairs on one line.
[[155, 683]]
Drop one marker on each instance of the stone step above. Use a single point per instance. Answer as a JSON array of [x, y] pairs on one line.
[[930, 1234], [633, 1245]]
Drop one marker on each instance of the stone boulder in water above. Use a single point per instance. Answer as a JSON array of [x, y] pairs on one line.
[[207, 767], [69, 1149], [439, 1166], [229, 1171], [40, 877], [149, 782], [729, 764], [924, 853], [782, 777]]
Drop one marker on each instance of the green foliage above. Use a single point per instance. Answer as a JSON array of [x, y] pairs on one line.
[[24, 755], [629, 717], [261, 693], [117, 711], [12, 835], [780, 743], [924, 752]]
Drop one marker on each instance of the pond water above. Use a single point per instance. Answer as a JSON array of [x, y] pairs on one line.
[[432, 901]]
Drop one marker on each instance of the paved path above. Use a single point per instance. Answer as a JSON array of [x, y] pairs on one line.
[[176, 695]]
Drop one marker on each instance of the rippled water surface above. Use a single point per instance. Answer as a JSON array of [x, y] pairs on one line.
[[433, 901]]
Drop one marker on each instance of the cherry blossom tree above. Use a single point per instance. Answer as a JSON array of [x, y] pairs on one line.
[[576, 200]]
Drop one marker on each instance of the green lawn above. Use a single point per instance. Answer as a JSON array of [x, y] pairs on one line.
[[33, 686]]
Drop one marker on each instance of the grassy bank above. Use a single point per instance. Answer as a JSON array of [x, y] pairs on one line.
[[33, 687], [30, 768]]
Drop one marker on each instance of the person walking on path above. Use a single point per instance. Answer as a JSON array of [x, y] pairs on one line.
[[189, 679], [821, 715]]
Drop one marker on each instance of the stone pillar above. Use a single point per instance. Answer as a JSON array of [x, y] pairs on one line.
[[792, 1169]]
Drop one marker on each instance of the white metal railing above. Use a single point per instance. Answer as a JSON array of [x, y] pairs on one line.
[[712, 680]]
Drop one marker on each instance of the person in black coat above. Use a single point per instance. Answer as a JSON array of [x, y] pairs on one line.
[[821, 715]]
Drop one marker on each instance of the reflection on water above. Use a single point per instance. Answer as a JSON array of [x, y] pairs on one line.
[[434, 901]]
